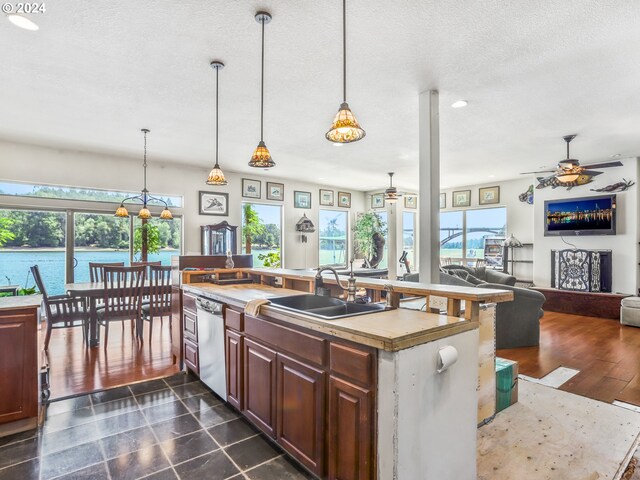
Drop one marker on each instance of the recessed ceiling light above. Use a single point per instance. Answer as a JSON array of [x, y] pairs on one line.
[[491, 176], [460, 104], [336, 144], [444, 186], [22, 22], [617, 155]]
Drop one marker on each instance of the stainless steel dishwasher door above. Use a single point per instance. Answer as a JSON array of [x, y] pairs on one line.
[[211, 345]]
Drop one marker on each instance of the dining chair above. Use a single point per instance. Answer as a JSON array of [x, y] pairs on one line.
[[95, 270], [62, 311], [123, 287], [159, 303]]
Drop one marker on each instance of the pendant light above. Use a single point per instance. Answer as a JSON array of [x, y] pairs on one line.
[[144, 197], [345, 128], [391, 194], [216, 176], [261, 157]]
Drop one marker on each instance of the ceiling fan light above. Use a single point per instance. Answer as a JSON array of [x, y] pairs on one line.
[[121, 212], [568, 177], [261, 157], [345, 128], [216, 176]]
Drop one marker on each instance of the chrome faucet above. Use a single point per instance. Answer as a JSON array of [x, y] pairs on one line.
[[351, 282]]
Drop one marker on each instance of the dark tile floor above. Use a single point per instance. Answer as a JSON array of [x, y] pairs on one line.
[[162, 429]]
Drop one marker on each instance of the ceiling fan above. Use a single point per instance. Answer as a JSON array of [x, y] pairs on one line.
[[569, 172], [391, 194]]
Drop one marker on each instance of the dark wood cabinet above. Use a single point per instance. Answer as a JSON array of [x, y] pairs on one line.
[[18, 364], [301, 411], [259, 397], [350, 431], [176, 326], [233, 352], [190, 333]]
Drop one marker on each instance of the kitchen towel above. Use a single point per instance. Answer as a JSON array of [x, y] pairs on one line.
[[253, 307]]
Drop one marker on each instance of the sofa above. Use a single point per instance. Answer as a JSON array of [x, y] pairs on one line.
[[517, 322]]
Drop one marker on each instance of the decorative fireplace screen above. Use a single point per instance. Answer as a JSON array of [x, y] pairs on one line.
[[582, 270]]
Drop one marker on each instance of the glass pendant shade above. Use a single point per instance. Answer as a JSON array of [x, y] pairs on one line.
[[216, 177], [166, 215], [144, 213], [567, 177], [121, 212], [345, 127], [261, 157]]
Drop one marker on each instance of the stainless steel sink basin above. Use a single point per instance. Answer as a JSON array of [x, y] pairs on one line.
[[327, 308]]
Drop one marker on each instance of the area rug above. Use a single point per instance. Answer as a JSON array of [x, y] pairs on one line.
[[551, 434]]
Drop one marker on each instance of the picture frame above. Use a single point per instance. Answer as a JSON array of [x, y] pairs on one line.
[[275, 191], [377, 200], [489, 195], [301, 199], [214, 203], [443, 201], [461, 198], [411, 201], [251, 188], [327, 197], [344, 199]]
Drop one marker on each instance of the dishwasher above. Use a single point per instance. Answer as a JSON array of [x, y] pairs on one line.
[[211, 345]]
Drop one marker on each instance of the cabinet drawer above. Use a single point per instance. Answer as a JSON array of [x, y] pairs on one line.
[[191, 357], [189, 302], [233, 319], [351, 363], [305, 346], [190, 326]]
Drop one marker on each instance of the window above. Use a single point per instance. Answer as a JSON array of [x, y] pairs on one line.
[[409, 238], [384, 263], [333, 231], [76, 193], [262, 233], [164, 239], [463, 233]]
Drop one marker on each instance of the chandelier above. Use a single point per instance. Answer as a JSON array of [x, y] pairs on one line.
[[144, 197]]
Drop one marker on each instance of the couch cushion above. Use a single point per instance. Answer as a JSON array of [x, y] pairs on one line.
[[631, 302], [466, 276]]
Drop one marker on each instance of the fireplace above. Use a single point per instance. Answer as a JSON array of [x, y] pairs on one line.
[[581, 270]]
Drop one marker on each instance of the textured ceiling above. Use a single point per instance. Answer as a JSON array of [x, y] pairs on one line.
[[96, 72]]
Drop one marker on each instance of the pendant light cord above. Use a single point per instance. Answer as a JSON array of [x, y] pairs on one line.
[[344, 51], [144, 166], [217, 72], [262, 87]]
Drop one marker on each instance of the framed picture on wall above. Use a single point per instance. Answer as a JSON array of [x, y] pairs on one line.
[[301, 199], [377, 200], [326, 198], [251, 188], [489, 195], [344, 199], [461, 198], [443, 200], [214, 203], [410, 201], [275, 191]]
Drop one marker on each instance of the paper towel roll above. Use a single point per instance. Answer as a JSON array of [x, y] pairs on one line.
[[447, 356]]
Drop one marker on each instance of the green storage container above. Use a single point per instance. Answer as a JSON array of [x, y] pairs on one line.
[[506, 383]]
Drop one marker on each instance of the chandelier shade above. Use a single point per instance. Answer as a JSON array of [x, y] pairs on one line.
[[166, 214], [261, 157], [144, 213], [216, 176], [345, 128]]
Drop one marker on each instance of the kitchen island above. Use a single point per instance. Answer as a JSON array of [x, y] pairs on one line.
[[357, 397]]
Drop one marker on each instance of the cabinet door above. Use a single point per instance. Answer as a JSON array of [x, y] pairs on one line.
[[233, 349], [301, 412], [18, 366], [350, 432], [259, 395]]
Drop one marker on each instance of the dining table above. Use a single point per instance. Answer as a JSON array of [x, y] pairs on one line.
[[93, 292]]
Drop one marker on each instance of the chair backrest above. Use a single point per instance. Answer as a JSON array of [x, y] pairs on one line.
[[35, 271], [159, 291], [123, 288], [95, 270], [145, 264]]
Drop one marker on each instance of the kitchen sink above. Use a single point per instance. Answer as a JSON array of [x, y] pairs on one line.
[[327, 308]]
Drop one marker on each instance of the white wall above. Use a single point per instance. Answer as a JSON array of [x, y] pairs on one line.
[[624, 244], [35, 164]]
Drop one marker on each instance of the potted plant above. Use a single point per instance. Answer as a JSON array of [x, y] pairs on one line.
[[368, 232]]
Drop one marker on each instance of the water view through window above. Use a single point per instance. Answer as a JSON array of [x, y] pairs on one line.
[[463, 233], [333, 230], [262, 233]]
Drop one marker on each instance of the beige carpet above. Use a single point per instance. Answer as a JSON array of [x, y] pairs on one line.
[[551, 434]]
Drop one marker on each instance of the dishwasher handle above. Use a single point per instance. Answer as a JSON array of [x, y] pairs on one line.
[[209, 306]]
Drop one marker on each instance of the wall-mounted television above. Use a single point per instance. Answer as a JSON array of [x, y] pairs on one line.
[[581, 216]]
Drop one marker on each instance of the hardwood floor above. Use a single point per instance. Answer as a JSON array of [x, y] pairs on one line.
[[77, 369], [606, 353]]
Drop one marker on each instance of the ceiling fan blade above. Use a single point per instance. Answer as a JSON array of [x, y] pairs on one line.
[[591, 173], [539, 171], [603, 165]]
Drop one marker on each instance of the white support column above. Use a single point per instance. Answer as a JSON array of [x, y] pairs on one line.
[[392, 239], [429, 167]]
